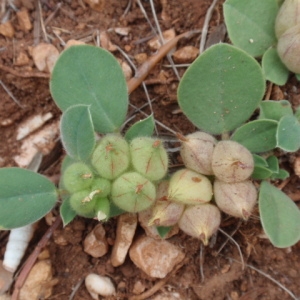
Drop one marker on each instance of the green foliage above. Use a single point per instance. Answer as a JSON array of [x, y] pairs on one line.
[[257, 136], [25, 197], [77, 132], [66, 211], [273, 68], [275, 110], [91, 76], [141, 128], [280, 216], [250, 24], [221, 89]]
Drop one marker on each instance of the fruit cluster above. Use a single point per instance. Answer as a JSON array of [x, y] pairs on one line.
[[122, 172], [184, 199]]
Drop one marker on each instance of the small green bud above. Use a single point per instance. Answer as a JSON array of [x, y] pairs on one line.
[[102, 208], [196, 151], [133, 192], [77, 176], [83, 203], [235, 199], [287, 17], [232, 162], [149, 157], [102, 185], [111, 156], [200, 221], [288, 48], [189, 187]]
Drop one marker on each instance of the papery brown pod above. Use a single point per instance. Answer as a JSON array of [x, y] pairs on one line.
[[287, 17], [196, 151], [200, 221], [236, 199], [166, 213], [232, 162], [189, 187], [288, 48]]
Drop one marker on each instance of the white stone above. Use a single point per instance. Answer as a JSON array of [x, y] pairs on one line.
[[125, 232]]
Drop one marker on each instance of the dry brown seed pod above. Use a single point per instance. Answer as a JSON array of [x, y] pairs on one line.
[[236, 199], [288, 48], [232, 162], [196, 151], [200, 221], [288, 16]]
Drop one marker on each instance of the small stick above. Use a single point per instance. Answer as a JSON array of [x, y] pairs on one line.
[[267, 276], [42, 22], [205, 26], [148, 65], [10, 94], [24, 74], [33, 257]]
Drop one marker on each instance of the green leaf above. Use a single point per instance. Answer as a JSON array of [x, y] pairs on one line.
[[275, 110], [297, 113], [297, 76], [25, 197], [221, 89], [288, 134], [280, 216], [259, 161], [273, 163], [282, 174], [250, 24], [66, 212], [273, 68], [163, 230], [90, 75], [257, 136], [260, 173], [141, 128], [77, 132]]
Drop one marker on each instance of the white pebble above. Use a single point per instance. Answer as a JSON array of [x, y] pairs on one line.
[[99, 285]]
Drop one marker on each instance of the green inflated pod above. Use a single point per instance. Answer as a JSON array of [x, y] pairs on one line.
[[149, 157], [102, 185], [200, 221], [83, 203], [102, 208], [189, 187], [78, 176], [111, 156], [133, 192]]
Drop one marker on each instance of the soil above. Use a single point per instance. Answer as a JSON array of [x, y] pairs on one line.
[[224, 277]]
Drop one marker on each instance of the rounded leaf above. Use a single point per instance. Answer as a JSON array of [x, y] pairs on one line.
[[250, 24], [280, 216], [89, 75], [25, 197], [221, 89]]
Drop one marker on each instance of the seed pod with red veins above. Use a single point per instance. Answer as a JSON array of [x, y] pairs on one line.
[[200, 221], [149, 157], [288, 48], [236, 199], [196, 151], [133, 192], [189, 187], [78, 176], [111, 156], [232, 162], [288, 16]]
